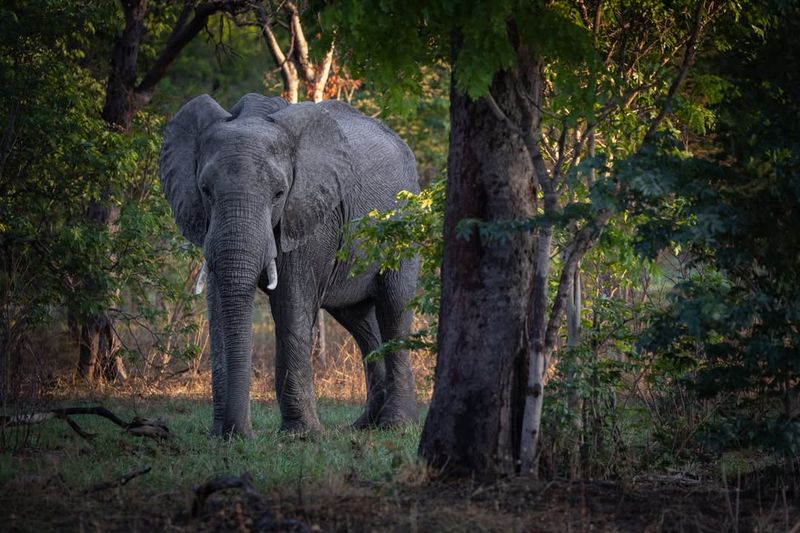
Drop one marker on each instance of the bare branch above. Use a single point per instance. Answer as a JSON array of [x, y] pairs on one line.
[[502, 117], [287, 68], [272, 42], [562, 141], [689, 55], [182, 34], [300, 55], [138, 426], [322, 72], [584, 239], [118, 482]]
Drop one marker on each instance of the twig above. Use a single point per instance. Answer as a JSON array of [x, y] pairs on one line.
[[118, 482]]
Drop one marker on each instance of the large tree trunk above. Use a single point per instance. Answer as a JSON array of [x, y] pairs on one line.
[[124, 98], [474, 422], [97, 359]]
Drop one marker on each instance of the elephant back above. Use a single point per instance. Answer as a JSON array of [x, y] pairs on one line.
[[384, 162]]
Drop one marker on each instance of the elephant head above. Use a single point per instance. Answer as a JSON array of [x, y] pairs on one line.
[[245, 186]]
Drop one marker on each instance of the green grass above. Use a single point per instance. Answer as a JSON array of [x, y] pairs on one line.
[[190, 457]]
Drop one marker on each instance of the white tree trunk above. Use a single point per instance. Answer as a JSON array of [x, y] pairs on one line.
[[323, 70], [574, 403], [534, 394]]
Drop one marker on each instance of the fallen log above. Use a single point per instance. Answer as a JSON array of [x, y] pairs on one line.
[[141, 427]]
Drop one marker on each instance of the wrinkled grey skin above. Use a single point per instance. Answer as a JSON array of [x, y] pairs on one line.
[[273, 181]]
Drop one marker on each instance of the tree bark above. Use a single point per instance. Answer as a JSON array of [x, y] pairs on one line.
[[474, 421], [96, 358], [295, 65], [123, 100], [534, 392], [574, 401]]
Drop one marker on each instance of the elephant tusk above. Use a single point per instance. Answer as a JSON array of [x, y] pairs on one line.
[[200, 284], [272, 275]]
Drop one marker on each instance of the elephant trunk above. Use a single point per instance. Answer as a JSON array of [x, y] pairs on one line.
[[237, 250]]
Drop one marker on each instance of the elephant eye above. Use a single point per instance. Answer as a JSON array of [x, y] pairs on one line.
[[278, 195]]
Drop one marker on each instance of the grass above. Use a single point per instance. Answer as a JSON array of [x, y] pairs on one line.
[[339, 480], [53, 449]]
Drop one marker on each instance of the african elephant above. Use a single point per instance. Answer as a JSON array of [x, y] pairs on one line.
[[265, 190]]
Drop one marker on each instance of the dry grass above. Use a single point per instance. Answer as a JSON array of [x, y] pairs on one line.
[[338, 376]]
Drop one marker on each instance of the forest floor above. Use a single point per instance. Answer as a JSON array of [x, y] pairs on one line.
[[51, 478]]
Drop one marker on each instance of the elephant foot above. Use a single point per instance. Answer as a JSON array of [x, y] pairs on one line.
[[367, 420], [396, 421], [215, 431], [242, 434], [398, 412], [232, 430], [390, 415], [300, 427]]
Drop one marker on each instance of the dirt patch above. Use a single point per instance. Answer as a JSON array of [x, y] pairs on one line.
[[35, 504]]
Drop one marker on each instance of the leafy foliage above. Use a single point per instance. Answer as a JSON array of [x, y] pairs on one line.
[[738, 313], [58, 156], [385, 240]]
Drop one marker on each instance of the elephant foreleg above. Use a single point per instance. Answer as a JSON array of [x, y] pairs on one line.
[[218, 380], [294, 384]]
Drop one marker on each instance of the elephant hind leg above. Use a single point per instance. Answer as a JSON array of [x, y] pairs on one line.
[[360, 321], [394, 321]]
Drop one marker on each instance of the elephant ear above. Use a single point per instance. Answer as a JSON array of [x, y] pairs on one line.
[[253, 104], [323, 171], [178, 163]]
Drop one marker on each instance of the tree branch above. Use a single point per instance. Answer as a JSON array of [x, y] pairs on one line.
[[689, 55], [321, 78], [583, 241], [138, 426], [182, 34], [300, 44], [540, 170], [118, 482], [272, 43]]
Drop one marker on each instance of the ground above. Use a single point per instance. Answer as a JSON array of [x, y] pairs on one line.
[[343, 480]]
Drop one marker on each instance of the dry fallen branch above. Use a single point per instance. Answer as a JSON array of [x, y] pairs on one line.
[[202, 492], [118, 482], [141, 427]]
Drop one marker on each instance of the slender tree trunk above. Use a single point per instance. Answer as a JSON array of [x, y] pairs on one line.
[[473, 425], [534, 393], [574, 402]]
